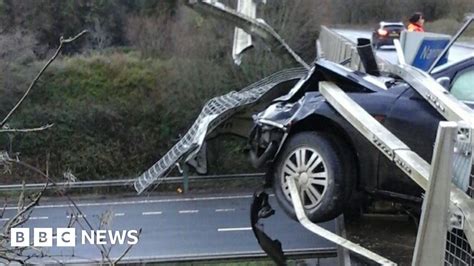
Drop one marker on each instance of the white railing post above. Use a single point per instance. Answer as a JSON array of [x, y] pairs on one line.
[[431, 237]]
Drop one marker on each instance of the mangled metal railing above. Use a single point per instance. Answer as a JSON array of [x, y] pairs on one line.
[[461, 239], [216, 111], [337, 48], [254, 27], [304, 220], [461, 209], [221, 108]]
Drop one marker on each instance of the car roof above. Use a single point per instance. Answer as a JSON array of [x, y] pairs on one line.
[[384, 23], [449, 64]]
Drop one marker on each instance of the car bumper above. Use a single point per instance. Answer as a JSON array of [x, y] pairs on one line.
[[386, 40], [272, 126], [264, 141]]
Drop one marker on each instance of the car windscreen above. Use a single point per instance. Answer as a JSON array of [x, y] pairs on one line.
[[393, 27]]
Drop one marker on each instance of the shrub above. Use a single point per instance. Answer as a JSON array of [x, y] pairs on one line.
[[115, 114]]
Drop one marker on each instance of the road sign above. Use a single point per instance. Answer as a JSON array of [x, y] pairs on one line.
[[428, 52], [422, 48]]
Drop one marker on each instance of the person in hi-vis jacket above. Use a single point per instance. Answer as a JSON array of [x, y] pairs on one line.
[[416, 22]]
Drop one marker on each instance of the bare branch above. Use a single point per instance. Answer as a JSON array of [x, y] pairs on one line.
[[22, 130], [71, 39], [15, 221], [62, 41], [3, 208], [10, 259], [127, 250], [24, 209]]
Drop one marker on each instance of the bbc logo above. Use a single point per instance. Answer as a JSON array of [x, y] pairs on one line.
[[66, 237], [43, 237]]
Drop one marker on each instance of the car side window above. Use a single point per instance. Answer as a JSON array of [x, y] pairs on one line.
[[463, 85]]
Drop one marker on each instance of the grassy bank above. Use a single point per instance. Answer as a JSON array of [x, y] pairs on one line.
[[115, 114]]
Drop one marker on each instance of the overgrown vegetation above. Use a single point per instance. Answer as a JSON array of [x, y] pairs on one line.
[[121, 96]]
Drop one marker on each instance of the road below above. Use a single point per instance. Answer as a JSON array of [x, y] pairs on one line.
[[176, 228]]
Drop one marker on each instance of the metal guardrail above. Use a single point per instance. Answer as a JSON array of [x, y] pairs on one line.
[[254, 27], [326, 234], [123, 182], [221, 108], [338, 48], [215, 112]]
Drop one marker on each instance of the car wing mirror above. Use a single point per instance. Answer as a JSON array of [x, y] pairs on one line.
[[444, 81]]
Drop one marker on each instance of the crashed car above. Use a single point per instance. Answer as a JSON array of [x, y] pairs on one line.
[[300, 135]]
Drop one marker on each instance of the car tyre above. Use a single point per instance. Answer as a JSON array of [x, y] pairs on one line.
[[322, 167]]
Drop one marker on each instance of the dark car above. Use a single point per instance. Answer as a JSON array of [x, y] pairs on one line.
[[386, 33], [302, 136]]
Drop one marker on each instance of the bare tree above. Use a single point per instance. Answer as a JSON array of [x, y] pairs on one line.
[[27, 202]]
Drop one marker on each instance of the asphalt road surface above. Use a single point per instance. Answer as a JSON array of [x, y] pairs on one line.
[[176, 228]]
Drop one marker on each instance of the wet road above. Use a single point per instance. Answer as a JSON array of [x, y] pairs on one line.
[[175, 228]]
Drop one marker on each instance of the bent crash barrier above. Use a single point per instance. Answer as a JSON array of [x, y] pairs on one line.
[[214, 113]]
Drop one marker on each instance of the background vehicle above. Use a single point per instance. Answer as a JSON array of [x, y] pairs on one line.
[[301, 136], [386, 33]]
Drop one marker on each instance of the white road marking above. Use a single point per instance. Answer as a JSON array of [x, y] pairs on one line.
[[119, 214], [77, 216], [225, 210], [4, 219], [38, 218], [151, 213], [138, 202], [231, 229], [188, 211]]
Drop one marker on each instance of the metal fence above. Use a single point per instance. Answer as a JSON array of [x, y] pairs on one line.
[[339, 49], [458, 249], [127, 182], [213, 114]]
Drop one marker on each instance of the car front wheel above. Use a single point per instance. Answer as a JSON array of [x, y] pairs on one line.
[[322, 173]]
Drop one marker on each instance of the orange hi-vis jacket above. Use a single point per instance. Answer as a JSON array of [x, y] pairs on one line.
[[415, 27]]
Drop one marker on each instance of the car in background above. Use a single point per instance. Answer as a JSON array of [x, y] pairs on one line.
[[386, 33]]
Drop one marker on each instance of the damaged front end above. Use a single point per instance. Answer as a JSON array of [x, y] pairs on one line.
[[273, 125]]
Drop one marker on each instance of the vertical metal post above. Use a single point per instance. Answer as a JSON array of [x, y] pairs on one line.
[[185, 177], [431, 237]]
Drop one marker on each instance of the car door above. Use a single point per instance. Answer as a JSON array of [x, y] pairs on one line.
[[414, 121]]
